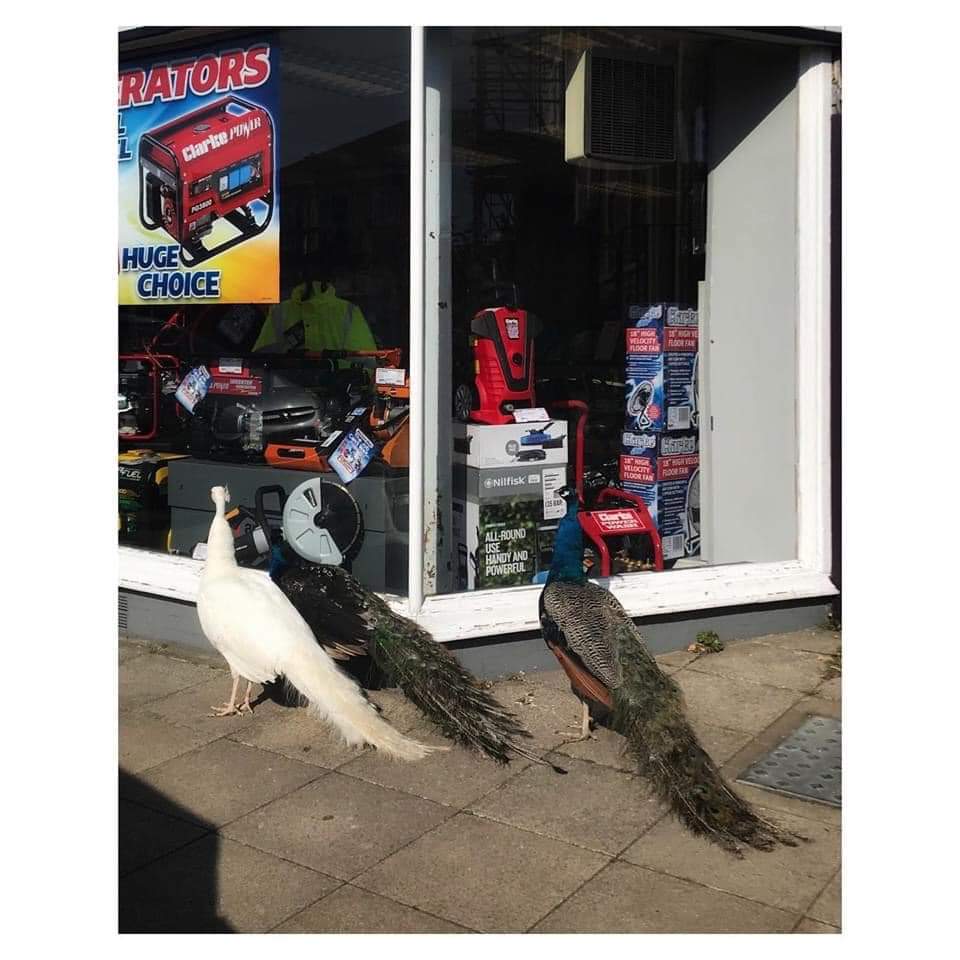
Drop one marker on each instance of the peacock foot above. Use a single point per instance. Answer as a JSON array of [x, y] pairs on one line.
[[226, 710]]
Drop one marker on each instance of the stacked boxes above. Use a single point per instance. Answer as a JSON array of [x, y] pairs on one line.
[[660, 452], [505, 508]]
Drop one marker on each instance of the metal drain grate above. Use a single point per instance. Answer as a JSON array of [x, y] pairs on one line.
[[805, 765]]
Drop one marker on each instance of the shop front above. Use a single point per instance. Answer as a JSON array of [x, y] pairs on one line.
[[395, 288]]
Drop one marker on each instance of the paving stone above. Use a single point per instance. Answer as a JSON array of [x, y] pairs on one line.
[[676, 660], [550, 713], [720, 742], [454, 777], [146, 835], [216, 885], [300, 735], [761, 663], [795, 806], [733, 704], [830, 689], [192, 707], [483, 875], [624, 898], [826, 907], [351, 910], [151, 676], [814, 640], [146, 741], [811, 926], [338, 825], [606, 750], [786, 877], [219, 782], [128, 650], [592, 806]]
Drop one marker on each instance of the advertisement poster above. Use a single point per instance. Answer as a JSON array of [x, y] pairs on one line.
[[197, 151]]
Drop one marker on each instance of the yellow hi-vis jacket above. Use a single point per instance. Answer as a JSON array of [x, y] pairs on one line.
[[328, 323]]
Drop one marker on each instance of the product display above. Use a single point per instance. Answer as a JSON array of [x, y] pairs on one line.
[[145, 403], [197, 169], [621, 535], [510, 444], [661, 365], [504, 519], [664, 469], [144, 517]]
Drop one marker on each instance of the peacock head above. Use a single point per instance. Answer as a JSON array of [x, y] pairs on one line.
[[220, 496]]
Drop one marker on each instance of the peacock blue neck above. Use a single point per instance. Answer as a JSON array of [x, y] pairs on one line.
[[568, 549], [278, 562]]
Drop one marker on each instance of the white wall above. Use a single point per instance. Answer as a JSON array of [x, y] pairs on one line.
[[750, 454]]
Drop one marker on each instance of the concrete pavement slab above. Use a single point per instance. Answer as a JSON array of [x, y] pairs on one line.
[[624, 898], [817, 640], [454, 777], [812, 926], [146, 834], [352, 910], [786, 877], [338, 825], [216, 885], [152, 676], [483, 875], [734, 704], [146, 741], [593, 806], [826, 908], [220, 781], [761, 663]]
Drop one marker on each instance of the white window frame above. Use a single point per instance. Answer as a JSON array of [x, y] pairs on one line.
[[482, 613]]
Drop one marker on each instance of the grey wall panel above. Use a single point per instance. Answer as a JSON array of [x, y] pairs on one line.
[[750, 325], [176, 623]]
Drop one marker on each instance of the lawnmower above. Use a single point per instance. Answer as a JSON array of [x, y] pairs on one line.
[[620, 533]]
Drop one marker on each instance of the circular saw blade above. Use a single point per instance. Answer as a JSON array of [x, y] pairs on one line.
[[322, 522]]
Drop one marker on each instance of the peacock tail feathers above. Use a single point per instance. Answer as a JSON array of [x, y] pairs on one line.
[[648, 711], [435, 682], [346, 617]]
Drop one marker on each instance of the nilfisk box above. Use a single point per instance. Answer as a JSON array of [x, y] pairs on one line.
[[510, 444], [664, 468], [662, 342], [504, 524]]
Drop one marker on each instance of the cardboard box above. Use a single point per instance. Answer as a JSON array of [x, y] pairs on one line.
[[510, 444], [664, 468], [662, 342], [504, 524]]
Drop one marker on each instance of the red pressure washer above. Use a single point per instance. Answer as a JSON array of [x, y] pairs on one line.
[[626, 515], [207, 165]]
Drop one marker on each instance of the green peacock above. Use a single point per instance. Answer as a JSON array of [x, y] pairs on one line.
[[349, 621], [621, 686]]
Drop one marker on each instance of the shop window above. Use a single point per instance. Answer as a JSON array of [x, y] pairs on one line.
[[604, 312], [291, 242]]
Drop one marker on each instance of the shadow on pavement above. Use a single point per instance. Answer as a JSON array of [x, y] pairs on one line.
[[167, 865]]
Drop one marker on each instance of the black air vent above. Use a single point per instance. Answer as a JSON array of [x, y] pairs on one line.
[[122, 612], [632, 110]]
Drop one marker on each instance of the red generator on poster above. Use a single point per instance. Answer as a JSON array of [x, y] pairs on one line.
[[208, 165]]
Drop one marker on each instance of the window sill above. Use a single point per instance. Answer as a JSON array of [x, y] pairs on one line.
[[485, 613]]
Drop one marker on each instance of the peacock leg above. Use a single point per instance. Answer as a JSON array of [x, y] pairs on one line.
[[226, 709], [245, 706], [585, 733]]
